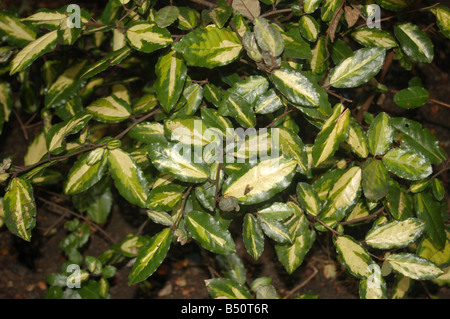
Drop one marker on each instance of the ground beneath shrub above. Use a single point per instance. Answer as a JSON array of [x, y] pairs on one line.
[[24, 266]]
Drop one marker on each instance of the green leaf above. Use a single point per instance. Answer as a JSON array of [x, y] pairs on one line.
[[395, 234], [167, 159], [340, 51], [308, 198], [296, 87], [218, 15], [171, 76], [226, 288], [438, 189], [414, 267], [276, 212], [311, 5], [275, 230], [215, 122], [292, 255], [428, 250], [15, 32], [187, 18], [165, 197], [414, 42], [111, 109], [187, 130], [294, 45], [111, 59], [261, 181], [32, 51], [319, 63], [236, 106], [268, 37], [232, 267], [394, 5], [148, 132], [401, 287], [353, 256], [166, 16], [333, 132], [146, 37], [309, 28], [212, 94], [375, 179], [407, 164], [128, 177], [20, 208], [374, 287], [83, 176], [429, 211], [291, 146], [398, 202], [373, 37], [66, 86], [442, 14], [67, 34], [58, 132], [253, 236], [357, 140], [97, 203], [209, 47], [329, 8], [6, 103], [344, 194], [420, 140], [210, 233], [358, 69], [411, 97], [151, 256]]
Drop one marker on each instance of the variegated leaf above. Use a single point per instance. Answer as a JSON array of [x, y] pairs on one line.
[[354, 256], [407, 164], [14, 31], [358, 69], [170, 78], [210, 233], [414, 267], [165, 197], [128, 177], [151, 256], [414, 42], [148, 37], [209, 47], [261, 181], [20, 208], [395, 234], [253, 236], [167, 158], [111, 109], [32, 51], [83, 176]]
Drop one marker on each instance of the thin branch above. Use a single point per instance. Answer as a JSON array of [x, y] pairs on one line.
[[368, 217], [181, 213], [66, 210], [279, 118], [275, 12], [60, 158], [302, 284], [429, 100], [204, 3], [24, 131], [216, 181]]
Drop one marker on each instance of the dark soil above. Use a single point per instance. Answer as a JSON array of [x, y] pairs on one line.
[[24, 266]]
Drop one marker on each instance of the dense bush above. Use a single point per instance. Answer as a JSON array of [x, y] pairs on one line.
[[250, 114]]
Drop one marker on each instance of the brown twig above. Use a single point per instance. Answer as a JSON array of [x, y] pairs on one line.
[[366, 105], [181, 213], [368, 217], [302, 284], [60, 208], [204, 3], [275, 12], [22, 127]]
